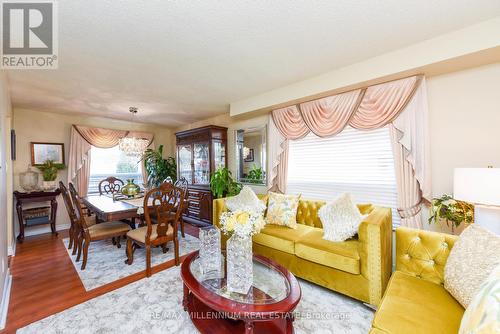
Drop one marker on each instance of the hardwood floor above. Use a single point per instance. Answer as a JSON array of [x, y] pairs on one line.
[[45, 282]]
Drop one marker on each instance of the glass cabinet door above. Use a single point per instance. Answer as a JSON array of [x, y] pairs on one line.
[[184, 160], [201, 163], [219, 155]]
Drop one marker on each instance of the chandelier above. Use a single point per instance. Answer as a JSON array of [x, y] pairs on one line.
[[132, 146]]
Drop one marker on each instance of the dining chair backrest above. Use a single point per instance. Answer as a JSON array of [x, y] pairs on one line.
[[183, 184], [78, 205], [110, 185], [68, 202], [163, 203]]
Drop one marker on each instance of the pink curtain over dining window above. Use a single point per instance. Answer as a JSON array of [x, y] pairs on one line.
[[330, 115], [82, 140], [79, 162], [99, 137]]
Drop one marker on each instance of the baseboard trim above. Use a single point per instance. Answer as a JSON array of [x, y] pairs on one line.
[[44, 229], [4, 308], [11, 250]]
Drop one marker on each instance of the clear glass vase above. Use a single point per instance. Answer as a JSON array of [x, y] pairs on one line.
[[239, 264], [210, 253]]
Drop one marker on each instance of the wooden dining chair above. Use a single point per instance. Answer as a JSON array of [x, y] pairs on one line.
[[72, 216], [165, 203], [107, 230], [183, 184], [74, 229], [110, 185]]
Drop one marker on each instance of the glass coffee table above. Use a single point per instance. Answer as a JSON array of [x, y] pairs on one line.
[[266, 308]]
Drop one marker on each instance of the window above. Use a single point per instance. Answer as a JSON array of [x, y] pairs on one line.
[[106, 162], [354, 161]]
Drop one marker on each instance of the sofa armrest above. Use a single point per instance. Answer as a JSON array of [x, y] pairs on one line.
[[423, 254], [219, 206], [375, 236]]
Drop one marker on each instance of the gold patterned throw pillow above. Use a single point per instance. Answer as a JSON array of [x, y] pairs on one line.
[[282, 209], [473, 257], [483, 314]]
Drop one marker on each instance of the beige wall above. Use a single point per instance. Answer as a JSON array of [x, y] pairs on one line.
[[51, 127], [464, 122], [5, 181]]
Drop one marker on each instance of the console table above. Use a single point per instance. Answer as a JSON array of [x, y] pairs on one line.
[[36, 197]]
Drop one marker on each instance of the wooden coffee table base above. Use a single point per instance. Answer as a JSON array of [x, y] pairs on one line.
[[210, 321]]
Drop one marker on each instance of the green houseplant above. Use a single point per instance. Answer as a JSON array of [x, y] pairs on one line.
[[453, 211], [49, 171], [157, 167], [222, 183], [256, 175]]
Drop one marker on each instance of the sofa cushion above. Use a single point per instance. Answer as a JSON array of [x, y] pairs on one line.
[[282, 209], [414, 305], [340, 218], [339, 255], [473, 257], [281, 238], [246, 200]]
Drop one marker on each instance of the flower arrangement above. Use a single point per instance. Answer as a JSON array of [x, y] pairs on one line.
[[453, 211], [241, 223]]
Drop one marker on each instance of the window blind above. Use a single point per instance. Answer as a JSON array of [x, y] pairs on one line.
[[354, 161]]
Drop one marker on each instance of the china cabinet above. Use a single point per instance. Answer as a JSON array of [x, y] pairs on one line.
[[199, 153]]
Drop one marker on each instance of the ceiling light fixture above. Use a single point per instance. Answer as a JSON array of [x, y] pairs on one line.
[[132, 146]]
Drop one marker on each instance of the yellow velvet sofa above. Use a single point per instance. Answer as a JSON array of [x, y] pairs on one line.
[[359, 267], [415, 300]]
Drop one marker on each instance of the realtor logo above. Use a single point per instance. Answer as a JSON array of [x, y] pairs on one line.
[[29, 34]]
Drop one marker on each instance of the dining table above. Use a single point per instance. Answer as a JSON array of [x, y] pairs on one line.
[[107, 208]]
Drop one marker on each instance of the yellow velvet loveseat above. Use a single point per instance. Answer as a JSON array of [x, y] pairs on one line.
[[359, 267], [415, 300]]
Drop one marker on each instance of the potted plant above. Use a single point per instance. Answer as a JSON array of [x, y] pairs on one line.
[[452, 211], [256, 175], [49, 171], [222, 183], [158, 168]]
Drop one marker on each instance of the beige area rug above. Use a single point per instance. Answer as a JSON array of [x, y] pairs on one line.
[[106, 262], [154, 305]]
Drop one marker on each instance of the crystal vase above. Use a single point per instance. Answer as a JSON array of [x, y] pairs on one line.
[[210, 252], [239, 264]]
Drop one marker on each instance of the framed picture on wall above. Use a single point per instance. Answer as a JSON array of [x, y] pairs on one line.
[[249, 157], [41, 152]]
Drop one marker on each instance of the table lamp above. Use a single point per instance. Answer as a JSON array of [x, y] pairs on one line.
[[480, 186]]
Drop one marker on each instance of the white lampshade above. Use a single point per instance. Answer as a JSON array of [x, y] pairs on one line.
[[477, 185]]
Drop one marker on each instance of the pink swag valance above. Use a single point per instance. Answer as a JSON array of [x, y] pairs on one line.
[[329, 116], [107, 138], [364, 109]]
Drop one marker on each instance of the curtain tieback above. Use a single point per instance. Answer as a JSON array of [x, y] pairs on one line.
[[410, 211]]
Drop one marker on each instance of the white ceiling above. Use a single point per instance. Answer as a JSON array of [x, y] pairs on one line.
[[181, 61]]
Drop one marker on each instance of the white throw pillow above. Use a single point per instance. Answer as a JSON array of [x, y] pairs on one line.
[[473, 257], [246, 200], [340, 218]]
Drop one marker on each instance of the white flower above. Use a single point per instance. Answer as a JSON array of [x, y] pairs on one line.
[[449, 202]]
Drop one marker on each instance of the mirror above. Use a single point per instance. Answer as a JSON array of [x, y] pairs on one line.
[[251, 155]]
